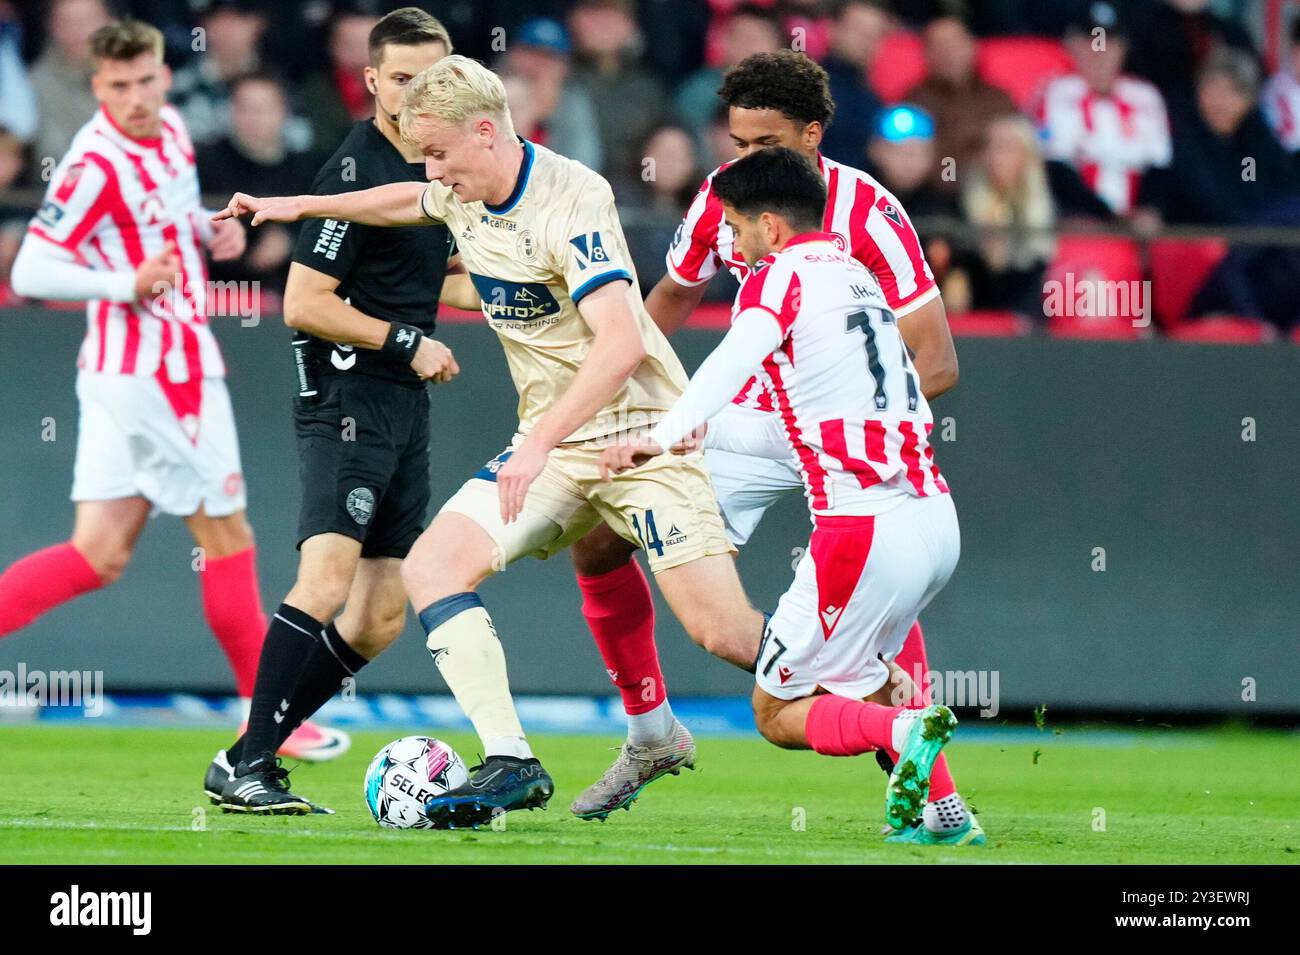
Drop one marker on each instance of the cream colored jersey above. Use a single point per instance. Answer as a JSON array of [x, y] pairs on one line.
[[555, 240]]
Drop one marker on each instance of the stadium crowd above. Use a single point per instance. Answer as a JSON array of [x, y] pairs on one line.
[[1031, 141]]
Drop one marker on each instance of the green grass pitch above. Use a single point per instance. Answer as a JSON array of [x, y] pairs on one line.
[[77, 795]]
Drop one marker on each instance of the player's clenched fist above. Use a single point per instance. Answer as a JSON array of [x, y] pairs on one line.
[[271, 209], [434, 362], [618, 458]]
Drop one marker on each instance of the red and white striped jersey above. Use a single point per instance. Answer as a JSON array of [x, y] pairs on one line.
[[1281, 101], [843, 382], [114, 201], [863, 217], [1110, 139]]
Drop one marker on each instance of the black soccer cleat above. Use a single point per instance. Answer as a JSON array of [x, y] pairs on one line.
[[884, 762], [219, 773], [262, 788], [500, 784]]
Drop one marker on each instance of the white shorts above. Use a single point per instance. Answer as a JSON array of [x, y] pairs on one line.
[[746, 486], [857, 590], [133, 442]]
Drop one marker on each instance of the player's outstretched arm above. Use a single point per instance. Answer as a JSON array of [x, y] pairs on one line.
[[753, 336], [927, 334], [394, 204]]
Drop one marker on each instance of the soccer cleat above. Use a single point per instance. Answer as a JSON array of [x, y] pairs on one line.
[[315, 744], [500, 784], [635, 768], [909, 783], [971, 834], [261, 787], [219, 773]]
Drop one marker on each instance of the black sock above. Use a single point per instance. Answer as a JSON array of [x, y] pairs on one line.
[[331, 662], [290, 642]]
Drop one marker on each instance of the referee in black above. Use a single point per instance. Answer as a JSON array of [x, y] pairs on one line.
[[362, 302]]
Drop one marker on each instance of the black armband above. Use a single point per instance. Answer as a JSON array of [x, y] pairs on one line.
[[401, 343]]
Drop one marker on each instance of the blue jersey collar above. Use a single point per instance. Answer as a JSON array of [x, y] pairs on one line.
[[525, 171]]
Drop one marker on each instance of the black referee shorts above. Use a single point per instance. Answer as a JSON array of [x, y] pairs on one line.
[[363, 462]]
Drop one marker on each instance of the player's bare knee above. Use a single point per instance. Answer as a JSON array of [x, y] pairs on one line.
[[601, 552], [109, 562]]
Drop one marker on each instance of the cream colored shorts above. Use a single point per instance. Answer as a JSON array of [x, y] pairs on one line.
[[665, 507]]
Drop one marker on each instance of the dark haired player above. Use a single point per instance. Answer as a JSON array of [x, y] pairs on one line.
[[362, 303], [809, 319], [773, 99]]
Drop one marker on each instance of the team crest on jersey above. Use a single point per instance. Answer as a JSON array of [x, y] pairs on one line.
[[361, 505], [841, 243], [590, 250], [527, 245]]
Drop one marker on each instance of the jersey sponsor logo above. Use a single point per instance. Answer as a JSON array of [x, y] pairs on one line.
[[495, 223], [675, 536], [330, 239], [514, 301], [785, 673], [488, 472], [590, 250], [50, 213], [361, 505]]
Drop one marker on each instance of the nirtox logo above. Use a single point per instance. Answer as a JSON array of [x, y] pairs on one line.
[[590, 250], [78, 908]]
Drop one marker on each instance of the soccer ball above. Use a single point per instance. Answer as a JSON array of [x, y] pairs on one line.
[[406, 774]]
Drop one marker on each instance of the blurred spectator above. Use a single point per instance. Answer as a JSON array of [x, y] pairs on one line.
[[61, 76], [627, 97], [1006, 191], [1227, 167], [1281, 99], [559, 113], [749, 29], [674, 32], [255, 156], [855, 35], [962, 104], [662, 175], [13, 219], [1101, 130], [17, 99], [902, 158], [228, 47], [336, 97], [1173, 39]]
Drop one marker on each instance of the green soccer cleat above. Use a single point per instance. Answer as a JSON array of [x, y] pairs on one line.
[[909, 783], [971, 834]]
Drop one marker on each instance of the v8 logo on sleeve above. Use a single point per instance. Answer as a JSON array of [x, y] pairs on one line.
[[590, 250]]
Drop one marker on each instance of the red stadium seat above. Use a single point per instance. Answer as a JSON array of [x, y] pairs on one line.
[[1179, 267], [899, 65], [1094, 289], [1225, 330], [1021, 65], [989, 325]]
